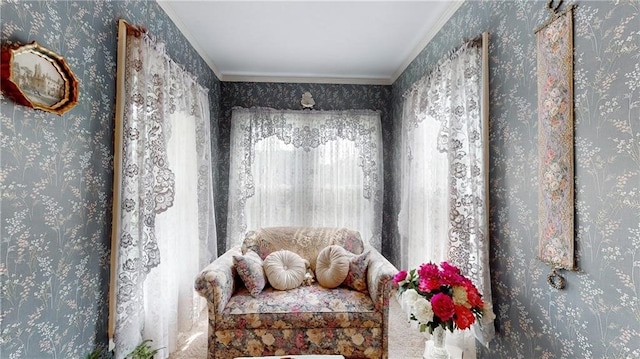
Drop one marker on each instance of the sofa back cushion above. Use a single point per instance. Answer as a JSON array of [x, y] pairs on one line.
[[307, 242]]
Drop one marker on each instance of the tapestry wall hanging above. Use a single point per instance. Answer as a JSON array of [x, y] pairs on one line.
[[555, 142]]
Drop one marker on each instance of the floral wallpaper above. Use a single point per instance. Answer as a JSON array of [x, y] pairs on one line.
[[56, 177], [56, 174], [288, 96], [598, 314]]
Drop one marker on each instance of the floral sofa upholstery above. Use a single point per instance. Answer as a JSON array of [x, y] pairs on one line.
[[308, 319]]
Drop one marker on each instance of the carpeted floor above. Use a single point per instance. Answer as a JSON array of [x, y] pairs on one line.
[[405, 342]]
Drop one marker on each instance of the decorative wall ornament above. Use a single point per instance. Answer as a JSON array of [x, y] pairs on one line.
[[38, 78], [555, 140], [555, 279], [307, 100]]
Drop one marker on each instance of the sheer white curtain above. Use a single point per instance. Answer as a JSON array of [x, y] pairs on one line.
[[424, 209], [444, 129], [163, 229], [305, 168]]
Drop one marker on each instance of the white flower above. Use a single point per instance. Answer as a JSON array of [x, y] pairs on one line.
[[407, 301], [423, 311], [410, 296], [488, 315]]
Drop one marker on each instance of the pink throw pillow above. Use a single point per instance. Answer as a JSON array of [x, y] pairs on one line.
[[357, 276], [250, 270]]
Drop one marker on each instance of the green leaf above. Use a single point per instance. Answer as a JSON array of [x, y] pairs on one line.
[[100, 352], [143, 351]]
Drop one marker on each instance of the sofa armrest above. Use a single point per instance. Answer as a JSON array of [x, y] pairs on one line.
[[380, 278], [216, 282]]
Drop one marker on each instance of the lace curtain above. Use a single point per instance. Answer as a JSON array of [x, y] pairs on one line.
[[305, 168], [424, 202], [444, 211], [163, 227]]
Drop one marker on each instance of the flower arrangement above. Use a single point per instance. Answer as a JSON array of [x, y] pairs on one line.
[[440, 296]]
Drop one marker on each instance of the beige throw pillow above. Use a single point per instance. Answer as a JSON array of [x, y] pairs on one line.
[[332, 266], [285, 269]]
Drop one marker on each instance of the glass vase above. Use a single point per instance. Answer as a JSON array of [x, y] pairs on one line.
[[438, 350]]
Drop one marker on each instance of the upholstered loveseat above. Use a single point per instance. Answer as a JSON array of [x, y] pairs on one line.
[[350, 319]]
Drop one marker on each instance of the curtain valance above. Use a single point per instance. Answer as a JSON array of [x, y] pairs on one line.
[[307, 131]]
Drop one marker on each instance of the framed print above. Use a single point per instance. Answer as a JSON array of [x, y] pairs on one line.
[[36, 77], [555, 139]]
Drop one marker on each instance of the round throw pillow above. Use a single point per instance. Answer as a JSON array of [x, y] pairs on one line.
[[332, 266], [284, 269]]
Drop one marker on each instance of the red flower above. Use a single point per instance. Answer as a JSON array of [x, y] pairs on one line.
[[473, 296], [429, 277], [300, 342], [464, 317], [442, 306], [400, 276], [446, 267], [451, 274], [429, 270], [428, 284]]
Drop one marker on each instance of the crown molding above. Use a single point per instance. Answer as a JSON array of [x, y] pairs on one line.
[[312, 80], [455, 5]]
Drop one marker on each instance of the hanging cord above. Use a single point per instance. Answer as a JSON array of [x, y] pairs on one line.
[[554, 13]]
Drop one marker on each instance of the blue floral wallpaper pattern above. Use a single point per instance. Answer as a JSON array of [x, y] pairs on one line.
[[288, 96], [56, 176], [598, 314]]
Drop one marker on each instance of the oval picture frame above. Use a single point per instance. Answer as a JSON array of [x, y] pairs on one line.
[[34, 76]]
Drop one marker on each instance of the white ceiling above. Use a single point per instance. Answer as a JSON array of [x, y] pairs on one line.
[[358, 42]]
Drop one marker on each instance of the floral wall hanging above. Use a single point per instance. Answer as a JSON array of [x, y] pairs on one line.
[[555, 140]]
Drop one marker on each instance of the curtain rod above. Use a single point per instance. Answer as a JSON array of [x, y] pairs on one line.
[[135, 30], [254, 109], [475, 41], [139, 31]]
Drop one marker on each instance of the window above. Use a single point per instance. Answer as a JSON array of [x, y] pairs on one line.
[[305, 168]]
